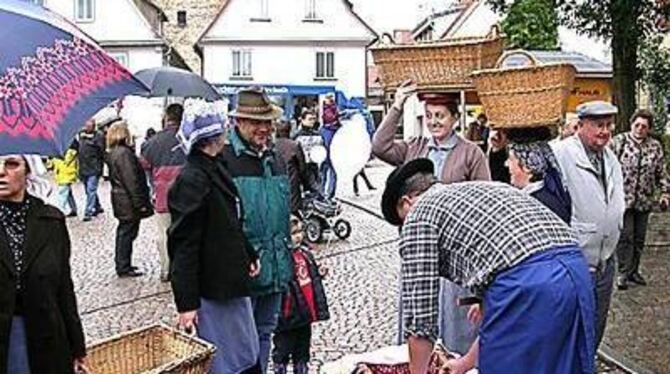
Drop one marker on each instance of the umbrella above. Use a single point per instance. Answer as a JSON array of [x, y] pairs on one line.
[[53, 77], [171, 81]]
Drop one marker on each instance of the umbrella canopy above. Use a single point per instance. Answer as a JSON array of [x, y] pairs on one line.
[[171, 81], [53, 78]]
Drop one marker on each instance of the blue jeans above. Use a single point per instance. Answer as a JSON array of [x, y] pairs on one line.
[[66, 202], [328, 179], [266, 314], [17, 359], [92, 200]]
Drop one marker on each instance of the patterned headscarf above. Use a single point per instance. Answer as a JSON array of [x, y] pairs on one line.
[[536, 156]]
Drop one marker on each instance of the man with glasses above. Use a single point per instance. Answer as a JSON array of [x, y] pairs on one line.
[[593, 177], [643, 165]]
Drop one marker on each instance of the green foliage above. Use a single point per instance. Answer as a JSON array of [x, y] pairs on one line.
[[532, 24], [654, 65]]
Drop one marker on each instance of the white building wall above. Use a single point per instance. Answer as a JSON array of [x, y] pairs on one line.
[[138, 58], [289, 64], [285, 21], [113, 20]]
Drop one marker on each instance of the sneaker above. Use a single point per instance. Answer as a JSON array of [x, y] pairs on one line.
[[132, 273]]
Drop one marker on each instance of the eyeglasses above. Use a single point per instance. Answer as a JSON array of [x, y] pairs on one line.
[[10, 164]]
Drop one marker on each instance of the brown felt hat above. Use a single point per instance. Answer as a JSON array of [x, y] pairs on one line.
[[253, 103]]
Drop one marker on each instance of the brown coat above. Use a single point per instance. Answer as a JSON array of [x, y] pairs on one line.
[[466, 162]]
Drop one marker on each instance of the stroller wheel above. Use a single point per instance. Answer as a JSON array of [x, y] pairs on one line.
[[313, 230], [342, 229]]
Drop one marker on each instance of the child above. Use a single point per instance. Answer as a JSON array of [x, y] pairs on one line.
[[305, 302], [66, 170]]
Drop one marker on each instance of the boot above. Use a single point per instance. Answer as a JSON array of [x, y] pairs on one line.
[[300, 368]]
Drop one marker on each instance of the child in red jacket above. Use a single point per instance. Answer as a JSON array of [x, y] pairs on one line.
[[304, 303]]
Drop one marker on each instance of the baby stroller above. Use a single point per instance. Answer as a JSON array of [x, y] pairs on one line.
[[320, 215]]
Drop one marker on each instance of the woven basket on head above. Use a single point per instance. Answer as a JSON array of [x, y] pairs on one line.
[[150, 350], [437, 66], [524, 97]]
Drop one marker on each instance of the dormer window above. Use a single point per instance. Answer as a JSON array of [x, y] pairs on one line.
[[310, 10], [84, 10], [181, 18]]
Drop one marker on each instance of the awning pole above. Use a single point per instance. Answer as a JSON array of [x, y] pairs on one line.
[[463, 114]]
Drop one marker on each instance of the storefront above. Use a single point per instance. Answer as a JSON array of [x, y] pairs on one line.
[[292, 98]]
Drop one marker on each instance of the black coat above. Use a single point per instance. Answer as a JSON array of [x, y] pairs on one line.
[[209, 254], [54, 333], [91, 154], [300, 178], [130, 191]]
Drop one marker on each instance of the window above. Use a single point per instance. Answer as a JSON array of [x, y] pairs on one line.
[[325, 65], [84, 10], [310, 9], [120, 57], [242, 63], [263, 14], [181, 18]]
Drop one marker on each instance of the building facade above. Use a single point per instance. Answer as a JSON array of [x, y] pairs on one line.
[[129, 30], [298, 50]]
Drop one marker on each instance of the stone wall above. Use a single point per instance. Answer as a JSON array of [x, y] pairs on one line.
[[199, 14]]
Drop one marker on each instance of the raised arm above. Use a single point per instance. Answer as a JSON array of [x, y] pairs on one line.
[[384, 145]]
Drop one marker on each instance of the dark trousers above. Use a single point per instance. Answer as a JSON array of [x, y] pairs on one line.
[[603, 282], [631, 243], [365, 179], [126, 233], [292, 345]]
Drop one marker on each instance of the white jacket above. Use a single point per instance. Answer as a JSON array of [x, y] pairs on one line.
[[597, 217]]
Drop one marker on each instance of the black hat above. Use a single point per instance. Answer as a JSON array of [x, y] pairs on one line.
[[394, 183]]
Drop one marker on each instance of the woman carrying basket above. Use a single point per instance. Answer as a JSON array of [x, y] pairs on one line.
[[211, 260], [455, 160]]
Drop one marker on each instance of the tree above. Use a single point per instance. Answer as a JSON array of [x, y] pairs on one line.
[[625, 23], [538, 32], [655, 71]]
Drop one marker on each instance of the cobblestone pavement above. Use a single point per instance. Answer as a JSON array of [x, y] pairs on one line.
[[361, 286]]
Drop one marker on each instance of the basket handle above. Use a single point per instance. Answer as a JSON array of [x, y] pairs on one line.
[[533, 59]]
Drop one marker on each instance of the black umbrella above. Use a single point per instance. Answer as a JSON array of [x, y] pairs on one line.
[[171, 81]]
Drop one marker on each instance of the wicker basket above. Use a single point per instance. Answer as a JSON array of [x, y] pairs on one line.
[[151, 350], [437, 66], [524, 97]]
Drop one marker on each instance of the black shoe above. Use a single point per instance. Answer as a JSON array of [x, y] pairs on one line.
[[637, 279], [73, 214], [99, 211], [132, 273], [622, 283], [86, 218]]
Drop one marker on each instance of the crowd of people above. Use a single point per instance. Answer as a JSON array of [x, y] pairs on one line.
[[537, 249], [486, 267]]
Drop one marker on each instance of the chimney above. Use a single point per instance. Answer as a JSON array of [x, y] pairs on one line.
[[402, 36]]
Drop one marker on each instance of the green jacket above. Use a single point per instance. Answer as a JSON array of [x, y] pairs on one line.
[[262, 182]]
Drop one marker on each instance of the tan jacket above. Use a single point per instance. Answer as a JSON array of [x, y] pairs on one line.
[[466, 162]]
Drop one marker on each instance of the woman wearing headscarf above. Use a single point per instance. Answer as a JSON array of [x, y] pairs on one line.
[[533, 168], [40, 329], [130, 196], [455, 160], [211, 260]]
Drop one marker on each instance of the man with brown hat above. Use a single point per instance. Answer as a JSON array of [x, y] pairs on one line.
[[260, 176]]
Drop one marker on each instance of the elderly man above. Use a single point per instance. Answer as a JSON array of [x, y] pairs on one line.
[[643, 165], [509, 248], [593, 178], [260, 176]]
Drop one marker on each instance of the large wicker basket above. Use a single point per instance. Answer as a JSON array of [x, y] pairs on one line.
[[151, 350], [437, 66], [525, 97]]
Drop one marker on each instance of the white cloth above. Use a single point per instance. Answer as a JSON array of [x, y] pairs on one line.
[[39, 184], [597, 214]]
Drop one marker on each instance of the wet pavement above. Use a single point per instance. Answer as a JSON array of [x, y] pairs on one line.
[[361, 286]]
